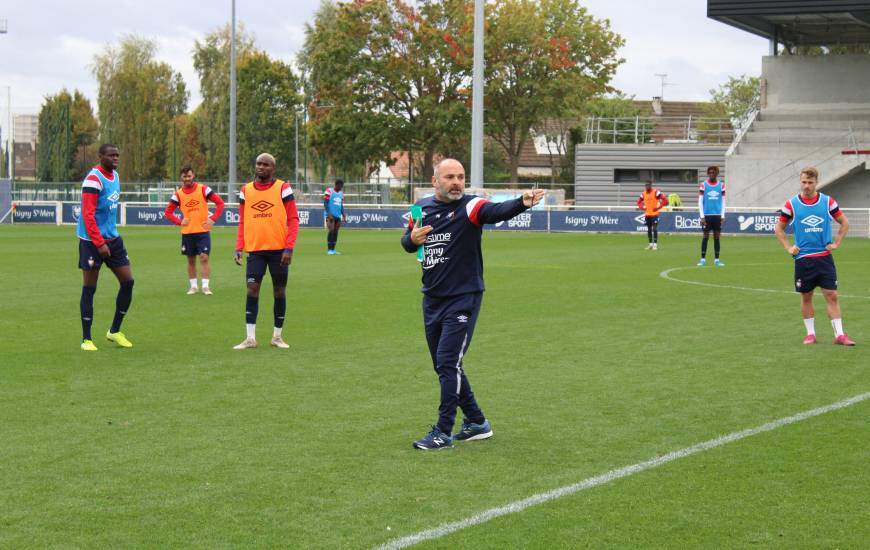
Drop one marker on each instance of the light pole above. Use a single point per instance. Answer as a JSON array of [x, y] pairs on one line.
[[296, 113], [477, 98], [232, 175], [3, 30]]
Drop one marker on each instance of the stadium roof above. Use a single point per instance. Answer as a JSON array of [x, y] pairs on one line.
[[798, 22]]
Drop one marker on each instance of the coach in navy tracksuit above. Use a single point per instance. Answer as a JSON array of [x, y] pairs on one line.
[[453, 289]]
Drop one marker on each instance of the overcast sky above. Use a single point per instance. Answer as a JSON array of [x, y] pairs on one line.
[[51, 44]]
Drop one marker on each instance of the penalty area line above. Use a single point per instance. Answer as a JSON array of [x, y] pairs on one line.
[[540, 498]]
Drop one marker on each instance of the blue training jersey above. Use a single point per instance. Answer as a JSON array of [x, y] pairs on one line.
[[108, 197], [453, 261], [713, 197], [333, 202], [812, 224]]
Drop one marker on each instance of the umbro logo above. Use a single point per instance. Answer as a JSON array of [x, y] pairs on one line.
[[462, 318], [192, 203], [640, 219], [713, 194], [115, 196], [262, 206], [812, 221]]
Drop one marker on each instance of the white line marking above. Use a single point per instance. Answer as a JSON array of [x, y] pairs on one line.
[[666, 274], [520, 505]]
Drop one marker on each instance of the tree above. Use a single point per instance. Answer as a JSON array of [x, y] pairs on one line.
[[544, 60], [385, 75], [184, 147], [67, 130], [138, 98], [268, 101], [735, 97], [211, 59]]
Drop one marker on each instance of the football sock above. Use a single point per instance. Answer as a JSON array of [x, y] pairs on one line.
[[655, 234], [276, 332], [704, 247], [838, 326], [280, 309], [205, 283], [811, 325], [251, 330], [716, 247], [86, 305], [193, 283], [649, 234], [331, 237], [252, 307], [122, 304]]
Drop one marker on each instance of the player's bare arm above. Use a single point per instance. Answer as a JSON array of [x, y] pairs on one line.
[[783, 239], [841, 234]]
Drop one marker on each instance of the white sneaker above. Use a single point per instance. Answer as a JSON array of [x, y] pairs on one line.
[[649, 246], [278, 342], [192, 290], [207, 291], [655, 246], [246, 343]]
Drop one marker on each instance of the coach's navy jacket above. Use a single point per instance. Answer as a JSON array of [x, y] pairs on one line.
[[453, 262]]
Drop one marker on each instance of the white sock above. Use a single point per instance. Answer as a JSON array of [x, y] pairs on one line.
[[205, 283], [276, 332], [838, 326], [252, 330], [192, 283], [811, 325]]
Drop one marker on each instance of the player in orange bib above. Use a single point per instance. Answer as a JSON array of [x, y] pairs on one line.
[[651, 201], [192, 199], [268, 225]]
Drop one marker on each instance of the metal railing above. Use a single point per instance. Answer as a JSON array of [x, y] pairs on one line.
[[646, 129]]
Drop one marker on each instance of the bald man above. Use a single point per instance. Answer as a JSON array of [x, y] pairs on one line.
[[453, 290], [268, 225]]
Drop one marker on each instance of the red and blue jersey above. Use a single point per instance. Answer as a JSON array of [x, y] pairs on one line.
[[811, 220], [453, 261], [711, 198], [333, 202], [101, 194]]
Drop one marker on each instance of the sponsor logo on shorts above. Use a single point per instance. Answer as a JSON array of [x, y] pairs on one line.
[[462, 318], [797, 283]]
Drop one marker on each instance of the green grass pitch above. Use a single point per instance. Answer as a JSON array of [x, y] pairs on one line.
[[585, 360]]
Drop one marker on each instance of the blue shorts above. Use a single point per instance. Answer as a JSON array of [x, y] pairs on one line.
[[815, 271], [651, 220], [194, 244], [90, 259], [258, 262]]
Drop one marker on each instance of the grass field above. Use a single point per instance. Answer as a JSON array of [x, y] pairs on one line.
[[585, 360]]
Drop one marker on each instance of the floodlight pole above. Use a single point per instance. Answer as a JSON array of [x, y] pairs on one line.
[[232, 175], [9, 134], [477, 98]]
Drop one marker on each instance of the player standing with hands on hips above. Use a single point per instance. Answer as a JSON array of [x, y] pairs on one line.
[[191, 198], [268, 225], [651, 201], [811, 212], [450, 232]]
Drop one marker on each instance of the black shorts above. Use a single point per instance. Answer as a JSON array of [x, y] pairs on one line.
[[258, 262], [90, 259], [713, 223], [651, 220], [815, 271], [194, 244]]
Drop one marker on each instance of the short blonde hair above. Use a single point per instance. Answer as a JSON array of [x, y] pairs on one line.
[[811, 171]]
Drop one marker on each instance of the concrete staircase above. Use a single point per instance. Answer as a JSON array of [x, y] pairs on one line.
[[764, 169]]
